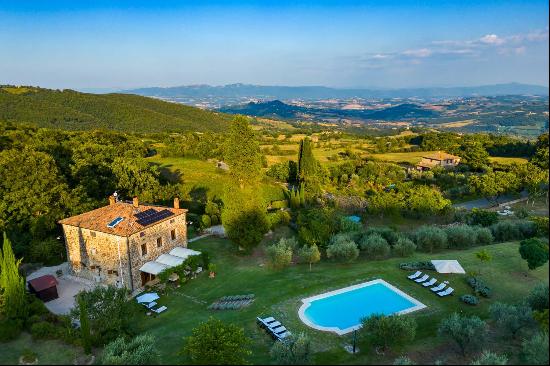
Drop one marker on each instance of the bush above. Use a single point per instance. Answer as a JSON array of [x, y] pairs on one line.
[[49, 251], [490, 358], [275, 205], [309, 254], [205, 222], [413, 266], [279, 255], [528, 229], [478, 286], [375, 246], [385, 331], [347, 225], [403, 360], [460, 237], [140, 350], [467, 332], [387, 233], [10, 329], [505, 231], [469, 299], [482, 217], [293, 350], [534, 251], [512, 318], [534, 350], [483, 235], [542, 224], [521, 212], [279, 218], [538, 298], [429, 238], [404, 247], [214, 220], [343, 250], [43, 330]]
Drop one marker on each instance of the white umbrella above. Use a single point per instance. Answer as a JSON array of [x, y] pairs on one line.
[[148, 297]]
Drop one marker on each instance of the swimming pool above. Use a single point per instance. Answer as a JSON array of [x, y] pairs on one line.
[[341, 311]]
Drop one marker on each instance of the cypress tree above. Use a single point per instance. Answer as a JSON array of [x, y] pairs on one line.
[[13, 284], [302, 195], [308, 168], [84, 325]]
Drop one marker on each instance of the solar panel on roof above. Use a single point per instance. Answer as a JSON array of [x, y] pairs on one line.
[[115, 222], [157, 216], [144, 214]]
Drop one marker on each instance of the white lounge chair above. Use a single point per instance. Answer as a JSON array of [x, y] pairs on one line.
[[264, 322], [282, 336], [414, 275], [439, 287], [430, 282], [447, 292], [422, 279], [274, 325], [160, 310], [278, 330]]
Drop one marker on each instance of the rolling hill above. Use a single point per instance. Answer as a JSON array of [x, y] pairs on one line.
[[68, 109]]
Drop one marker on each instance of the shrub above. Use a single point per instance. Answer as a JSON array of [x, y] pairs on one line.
[[343, 250], [385, 331], [404, 247], [140, 350], [528, 229], [512, 318], [347, 225], [279, 255], [403, 360], [490, 358], [47, 251], [542, 224], [534, 251], [375, 246], [205, 222], [278, 218], [10, 329], [538, 298], [293, 350], [387, 233], [309, 254], [429, 238], [521, 212], [279, 204], [214, 220], [478, 286], [469, 299], [482, 217], [534, 350], [483, 235], [467, 332], [411, 266], [43, 330], [462, 236], [505, 231]]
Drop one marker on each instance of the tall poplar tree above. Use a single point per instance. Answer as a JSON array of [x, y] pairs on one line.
[[12, 283]]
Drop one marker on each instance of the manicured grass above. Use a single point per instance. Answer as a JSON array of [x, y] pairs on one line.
[[506, 160], [49, 352], [203, 177], [278, 293]]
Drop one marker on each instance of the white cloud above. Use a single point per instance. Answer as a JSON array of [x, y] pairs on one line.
[[421, 53], [492, 39]]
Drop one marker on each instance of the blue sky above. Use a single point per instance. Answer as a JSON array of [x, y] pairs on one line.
[[384, 44]]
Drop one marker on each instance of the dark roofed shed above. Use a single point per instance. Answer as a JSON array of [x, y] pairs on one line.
[[44, 287]]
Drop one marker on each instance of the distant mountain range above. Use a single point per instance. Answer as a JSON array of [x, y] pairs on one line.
[[321, 92], [278, 110]]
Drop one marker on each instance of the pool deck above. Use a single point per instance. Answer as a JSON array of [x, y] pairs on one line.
[[307, 303]]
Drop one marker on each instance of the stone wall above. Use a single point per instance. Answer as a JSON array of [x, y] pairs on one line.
[[104, 258]]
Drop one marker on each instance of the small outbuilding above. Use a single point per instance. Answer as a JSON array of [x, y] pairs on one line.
[[44, 287], [448, 266]]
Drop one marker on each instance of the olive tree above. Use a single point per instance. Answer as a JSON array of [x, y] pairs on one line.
[[385, 331], [466, 332], [293, 350], [140, 350]]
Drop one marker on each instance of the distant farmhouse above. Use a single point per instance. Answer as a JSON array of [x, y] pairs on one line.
[[439, 158], [126, 244]]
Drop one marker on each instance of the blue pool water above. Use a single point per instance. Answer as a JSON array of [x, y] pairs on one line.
[[345, 310]]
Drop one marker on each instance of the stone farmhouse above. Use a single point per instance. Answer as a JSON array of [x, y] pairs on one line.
[[439, 158], [126, 244]]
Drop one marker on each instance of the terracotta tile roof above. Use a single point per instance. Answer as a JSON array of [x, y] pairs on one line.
[[98, 219], [440, 155]]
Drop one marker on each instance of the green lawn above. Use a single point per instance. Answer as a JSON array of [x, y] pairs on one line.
[[49, 352], [278, 293]]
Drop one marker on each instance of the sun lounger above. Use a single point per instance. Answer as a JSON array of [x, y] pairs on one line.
[[414, 275], [149, 305], [439, 287], [282, 336], [159, 310], [422, 279], [274, 325], [278, 330], [264, 322], [430, 282], [447, 292]]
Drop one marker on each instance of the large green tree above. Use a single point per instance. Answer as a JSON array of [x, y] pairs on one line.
[[242, 152], [385, 331], [534, 251], [140, 350], [308, 168], [466, 332], [12, 284], [216, 343]]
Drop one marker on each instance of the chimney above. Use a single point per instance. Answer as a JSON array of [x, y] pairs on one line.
[[176, 202], [136, 202], [112, 200]]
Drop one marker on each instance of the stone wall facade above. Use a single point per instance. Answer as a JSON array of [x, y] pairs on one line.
[[115, 260]]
